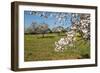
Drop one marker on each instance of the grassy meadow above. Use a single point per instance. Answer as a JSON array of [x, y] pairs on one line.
[[38, 48]]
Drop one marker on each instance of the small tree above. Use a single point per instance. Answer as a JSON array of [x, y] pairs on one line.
[[31, 29], [58, 30], [43, 28], [34, 25]]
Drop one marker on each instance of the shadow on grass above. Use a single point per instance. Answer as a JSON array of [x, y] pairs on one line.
[[84, 56]]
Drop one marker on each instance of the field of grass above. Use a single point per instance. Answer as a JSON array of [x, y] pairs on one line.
[[39, 49]]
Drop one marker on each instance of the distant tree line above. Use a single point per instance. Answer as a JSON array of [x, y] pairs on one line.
[[43, 29]]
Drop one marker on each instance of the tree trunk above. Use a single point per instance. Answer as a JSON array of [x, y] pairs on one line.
[[43, 35]]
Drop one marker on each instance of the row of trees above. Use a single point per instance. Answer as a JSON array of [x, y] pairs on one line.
[[36, 28]]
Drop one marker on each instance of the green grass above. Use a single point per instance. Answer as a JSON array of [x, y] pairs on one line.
[[39, 49]]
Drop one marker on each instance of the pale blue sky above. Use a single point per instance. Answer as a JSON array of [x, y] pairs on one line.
[[50, 20]]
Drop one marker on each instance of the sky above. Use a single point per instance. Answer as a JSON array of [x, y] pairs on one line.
[[52, 19]]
